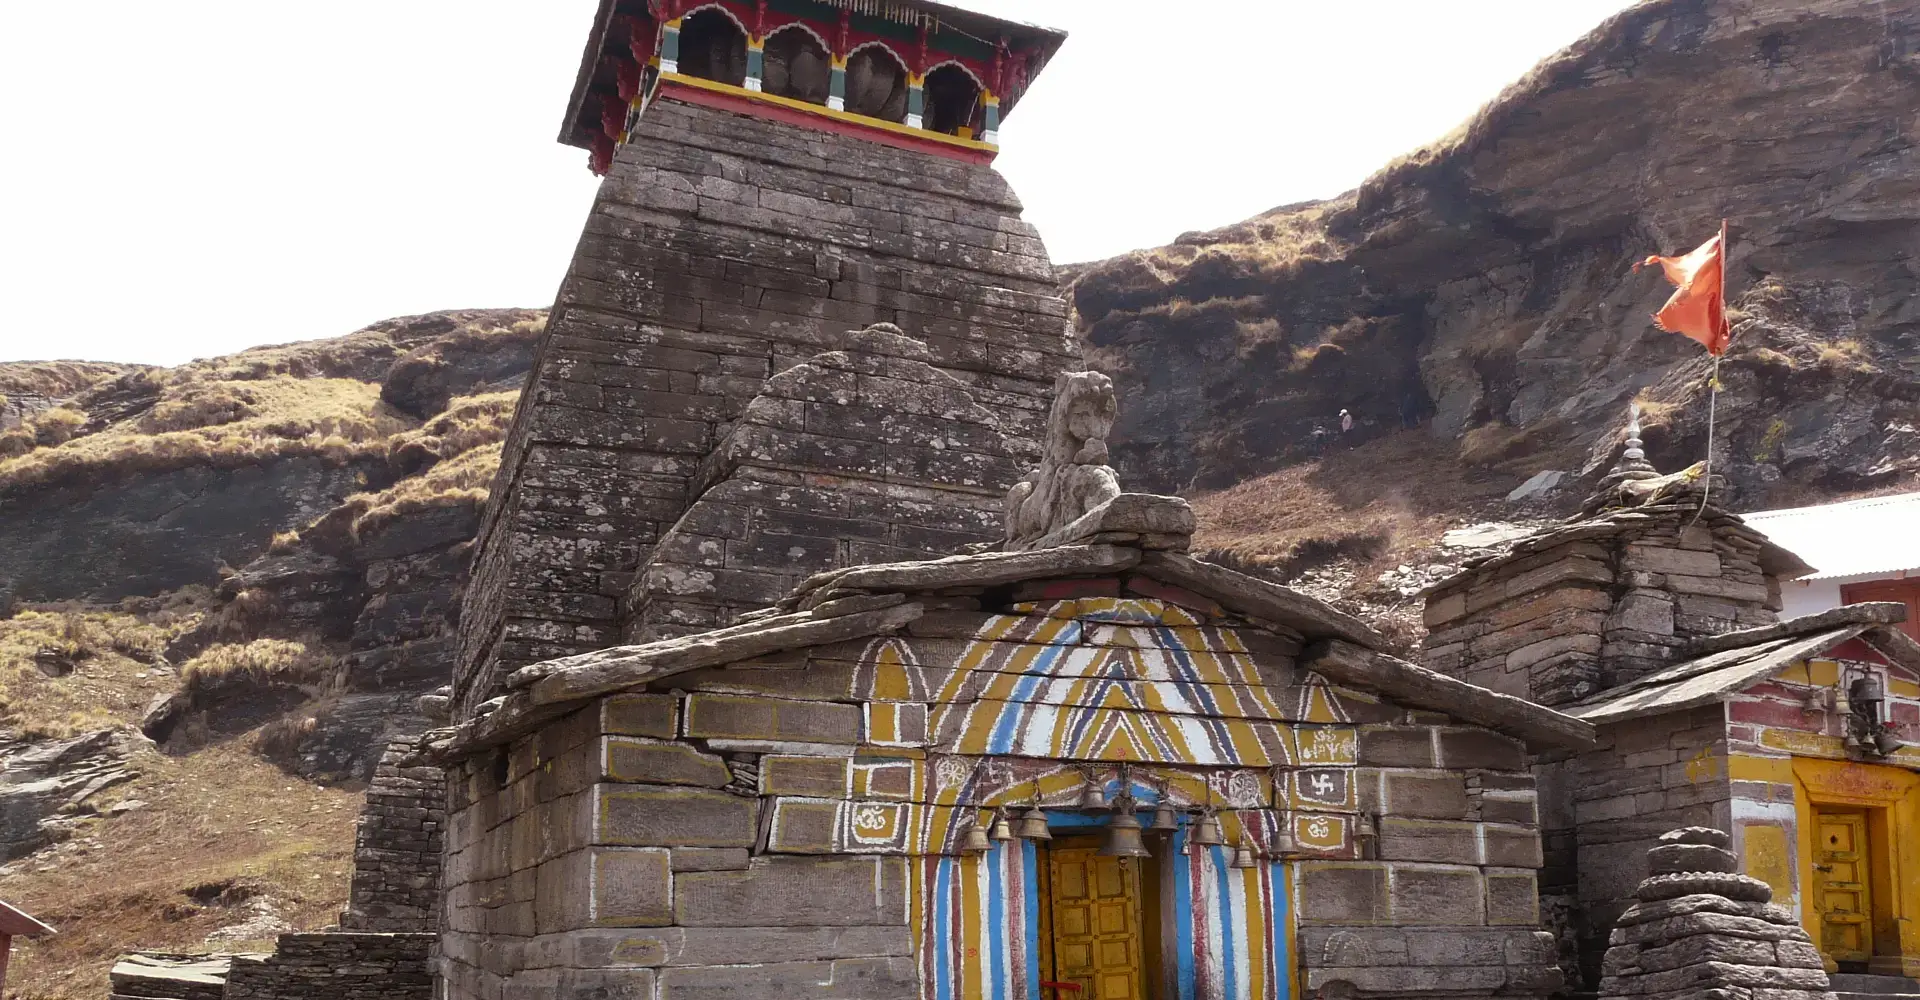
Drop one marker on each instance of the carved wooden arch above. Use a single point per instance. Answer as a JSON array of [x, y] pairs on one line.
[[731, 16], [825, 46], [895, 108], [963, 67]]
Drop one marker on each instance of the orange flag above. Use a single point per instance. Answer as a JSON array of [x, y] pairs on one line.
[[1698, 309]]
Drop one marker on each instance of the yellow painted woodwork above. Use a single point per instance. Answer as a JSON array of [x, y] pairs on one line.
[[1842, 885], [1096, 918], [966, 142]]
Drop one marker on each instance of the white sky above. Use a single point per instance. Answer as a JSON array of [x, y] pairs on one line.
[[188, 178]]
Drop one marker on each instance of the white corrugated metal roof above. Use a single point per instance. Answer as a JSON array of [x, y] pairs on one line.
[[1856, 538]]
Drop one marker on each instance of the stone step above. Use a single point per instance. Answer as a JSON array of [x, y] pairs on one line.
[[1850, 995], [1872, 986]]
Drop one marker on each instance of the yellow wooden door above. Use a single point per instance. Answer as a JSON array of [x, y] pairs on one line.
[[1096, 924], [1841, 885]]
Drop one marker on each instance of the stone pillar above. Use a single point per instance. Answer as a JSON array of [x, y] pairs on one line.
[[1702, 931]]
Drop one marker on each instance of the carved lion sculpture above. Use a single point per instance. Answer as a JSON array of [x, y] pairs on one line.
[[1073, 477]]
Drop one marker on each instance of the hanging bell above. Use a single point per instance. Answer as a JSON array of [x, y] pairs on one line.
[[1123, 835], [1206, 832], [975, 840], [1242, 856], [1002, 830], [1165, 819], [1093, 797], [1033, 825]]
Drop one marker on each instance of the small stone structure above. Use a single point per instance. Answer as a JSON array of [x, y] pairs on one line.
[[1614, 594], [1702, 932], [384, 947], [329, 966], [397, 847]]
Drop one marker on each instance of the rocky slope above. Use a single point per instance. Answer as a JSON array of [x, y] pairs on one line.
[[1481, 288], [320, 496]]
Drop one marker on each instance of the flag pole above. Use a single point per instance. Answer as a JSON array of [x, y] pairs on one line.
[[1713, 383]]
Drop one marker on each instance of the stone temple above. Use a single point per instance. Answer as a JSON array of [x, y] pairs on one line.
[[815, 652]]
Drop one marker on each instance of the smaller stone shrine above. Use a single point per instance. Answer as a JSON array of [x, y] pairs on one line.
[[1702, 932]]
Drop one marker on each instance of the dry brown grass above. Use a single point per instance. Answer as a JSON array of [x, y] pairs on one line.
[[57, 379], [279, 660], [66, 669], [218, 819], [214, 820], [1373, 505], [225, 425]]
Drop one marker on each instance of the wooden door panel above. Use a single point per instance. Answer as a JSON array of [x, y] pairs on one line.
[[1842, 882], [1096, 923]]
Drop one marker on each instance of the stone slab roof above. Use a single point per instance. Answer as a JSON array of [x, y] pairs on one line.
[[871, 600], [1729, 663]]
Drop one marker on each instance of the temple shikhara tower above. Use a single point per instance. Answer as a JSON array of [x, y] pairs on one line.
[[778, 173]]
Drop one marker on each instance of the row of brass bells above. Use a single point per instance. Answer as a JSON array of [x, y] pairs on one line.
[[1242, 857], [1165, 819]]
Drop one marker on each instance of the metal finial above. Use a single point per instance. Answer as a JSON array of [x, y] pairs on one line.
[[1634, 453]]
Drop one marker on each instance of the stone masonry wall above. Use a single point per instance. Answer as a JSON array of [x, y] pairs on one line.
[[332, 966], [397, 848], [1446, 897], [723, 248], [762, 828], [1598, 603], [1649, 776]]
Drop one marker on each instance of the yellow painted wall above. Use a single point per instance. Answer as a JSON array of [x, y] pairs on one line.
[[1892, 796]]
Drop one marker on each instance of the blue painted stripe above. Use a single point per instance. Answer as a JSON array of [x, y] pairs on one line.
[[942, 936], [1004, 729], [1282, 941], [1030, 857], [995, 865], [1184, 984], [1229, 971], [1203, 697]]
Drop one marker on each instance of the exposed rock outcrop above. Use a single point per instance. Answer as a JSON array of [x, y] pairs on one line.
[[1482, 285]]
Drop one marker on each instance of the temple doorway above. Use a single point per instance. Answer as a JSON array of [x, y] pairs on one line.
[[1099, 933]]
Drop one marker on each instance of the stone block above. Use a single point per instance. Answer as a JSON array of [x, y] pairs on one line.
[[1436, 896], [1396, 747], [709, 859], [656, 715], [707, 946], [1343, 894], [1511, 847], [1441, 610], [796, 892], [652, 816], [842, 979], [813, 777], [1659, 559], [1426, 795], [1513, 899], [1429, 840], [1478, 748], [1536, 652], [631, 759], [632, 887], [803, 826], [741, 717]]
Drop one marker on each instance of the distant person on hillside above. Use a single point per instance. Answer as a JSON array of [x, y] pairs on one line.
[[1317, 441], [1346, 423]]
